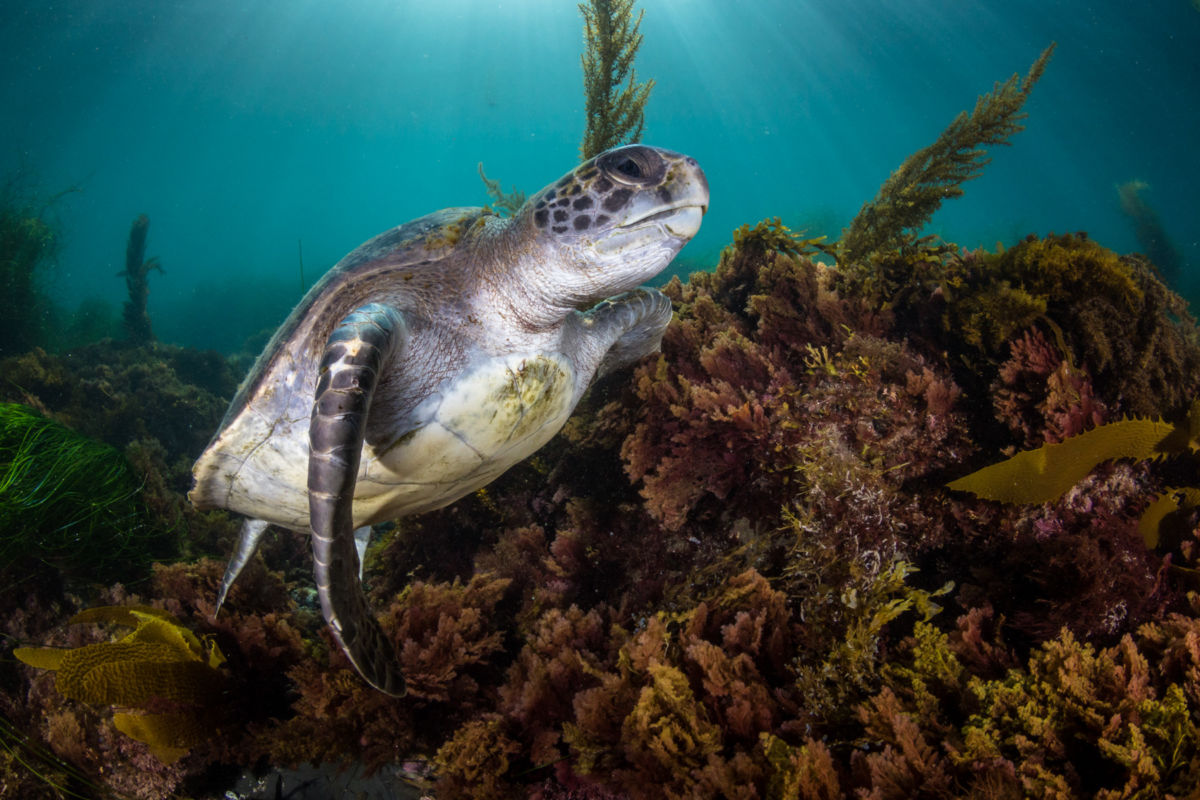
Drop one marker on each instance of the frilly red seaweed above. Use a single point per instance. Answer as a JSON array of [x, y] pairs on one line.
[[726, 578]]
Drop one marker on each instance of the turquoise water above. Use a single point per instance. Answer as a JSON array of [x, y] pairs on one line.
[[250, 132]]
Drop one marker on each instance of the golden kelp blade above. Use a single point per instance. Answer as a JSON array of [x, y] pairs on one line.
[[132, 674], [121, 615], [153, 625], [41, 657], [159, 661], [170, 736], [1045, 474], [1182, 498], [169, 634]]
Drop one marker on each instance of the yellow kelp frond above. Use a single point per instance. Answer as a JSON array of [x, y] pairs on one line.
[[153, 625], [133, 674], [1170, 502], [169, 735], [159, 662], [1045, 474], [159, 631], [41, 657], [130, 616]]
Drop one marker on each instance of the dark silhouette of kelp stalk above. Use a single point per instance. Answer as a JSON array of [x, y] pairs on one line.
[[27, 245], [908, 199], [1149, 231], [614, 100], [137, 270]]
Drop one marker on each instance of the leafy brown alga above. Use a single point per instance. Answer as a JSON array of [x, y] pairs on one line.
[[908, 199]]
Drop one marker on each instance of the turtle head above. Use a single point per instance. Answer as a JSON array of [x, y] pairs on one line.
[[615, 221]]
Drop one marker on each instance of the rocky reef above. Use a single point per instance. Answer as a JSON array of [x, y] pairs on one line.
[[737, 573]]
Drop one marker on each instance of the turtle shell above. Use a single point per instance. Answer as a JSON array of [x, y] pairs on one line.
[[405, 267], [380, 267]]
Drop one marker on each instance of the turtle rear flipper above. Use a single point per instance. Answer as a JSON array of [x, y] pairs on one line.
[[252, 533], [354, 354]]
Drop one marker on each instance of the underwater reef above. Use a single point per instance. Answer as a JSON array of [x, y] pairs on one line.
[[885, 518], [738, 573]]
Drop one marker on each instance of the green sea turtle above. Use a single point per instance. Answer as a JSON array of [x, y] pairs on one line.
[[437, 355]]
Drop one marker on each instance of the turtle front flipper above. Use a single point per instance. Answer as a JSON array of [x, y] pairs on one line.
[[622, 329], [354, 354]]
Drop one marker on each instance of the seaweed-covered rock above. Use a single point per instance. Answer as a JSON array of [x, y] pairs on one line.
[[158, 404], [772, 389], [708, 585], [1076, 720], [1111, 318], [119, 394]]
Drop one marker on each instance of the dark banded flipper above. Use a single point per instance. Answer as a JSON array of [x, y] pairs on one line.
[[354, 354]]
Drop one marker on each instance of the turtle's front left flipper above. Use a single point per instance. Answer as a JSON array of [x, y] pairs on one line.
[[620, 330], [354, 355]]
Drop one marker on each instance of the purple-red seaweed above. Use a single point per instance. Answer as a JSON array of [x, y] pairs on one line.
[[738, 571]]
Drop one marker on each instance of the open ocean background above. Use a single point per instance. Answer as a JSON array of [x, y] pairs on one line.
[[244, 128]]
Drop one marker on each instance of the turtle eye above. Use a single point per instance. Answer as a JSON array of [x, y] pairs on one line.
[[634, 165], [629, 168]]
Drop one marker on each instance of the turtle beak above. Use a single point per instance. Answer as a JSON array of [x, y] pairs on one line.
[[681, 220]]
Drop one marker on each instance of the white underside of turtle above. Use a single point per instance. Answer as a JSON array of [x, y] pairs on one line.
[[488, 419]]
